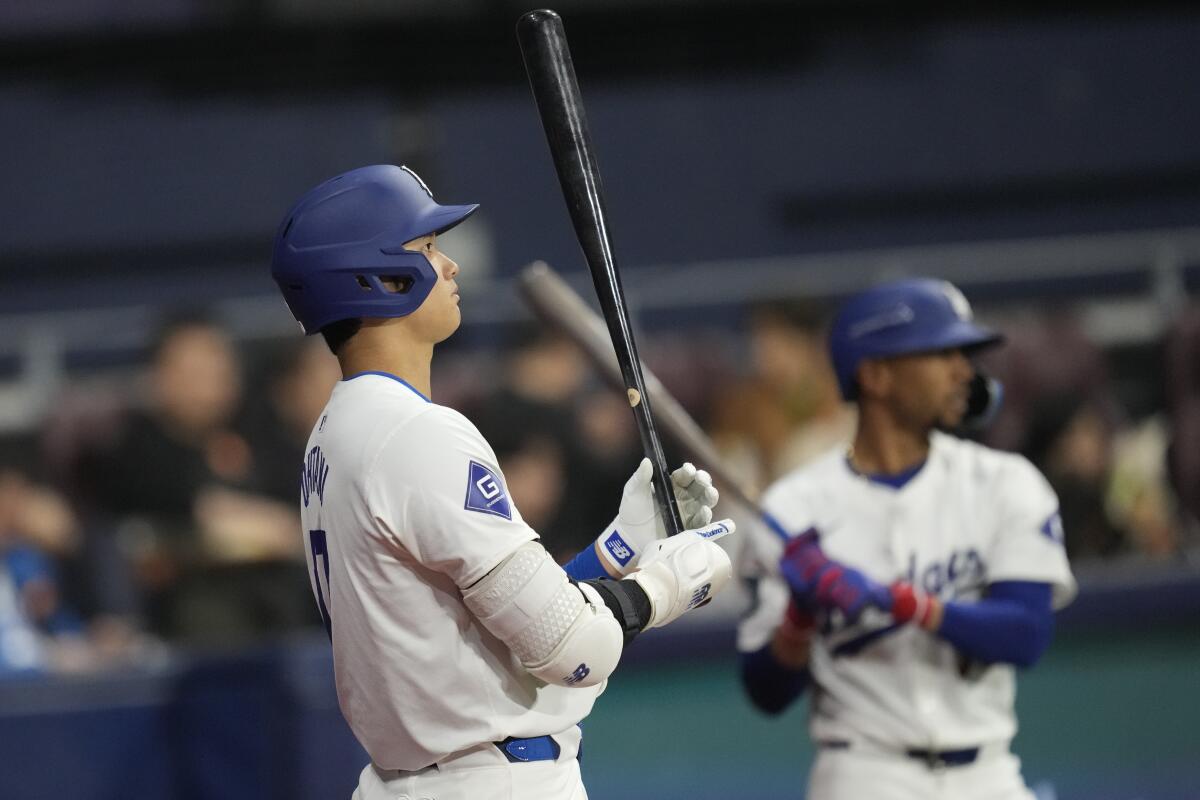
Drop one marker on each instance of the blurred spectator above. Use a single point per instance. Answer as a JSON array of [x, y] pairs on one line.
[[530, 423], [1071, 442], [1062, 411], [1140, 498], [38, 531], [217, 563], [1183, 408], [565, 456], [787, 409], [296, 383], [1047, 357]]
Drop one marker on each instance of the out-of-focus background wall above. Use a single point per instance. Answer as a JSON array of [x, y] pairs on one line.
[[761, 159]]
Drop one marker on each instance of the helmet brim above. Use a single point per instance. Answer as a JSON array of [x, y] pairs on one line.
[[443, 218]]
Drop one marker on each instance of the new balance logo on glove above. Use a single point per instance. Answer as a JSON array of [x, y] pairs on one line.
[[618, 548]]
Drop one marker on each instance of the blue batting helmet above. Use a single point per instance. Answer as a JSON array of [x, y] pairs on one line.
[[342, 236], [909, 316]]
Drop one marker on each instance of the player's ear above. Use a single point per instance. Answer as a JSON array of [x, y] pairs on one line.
[[874, 376]]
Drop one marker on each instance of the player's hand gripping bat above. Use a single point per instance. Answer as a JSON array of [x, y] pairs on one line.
[[560, 106]]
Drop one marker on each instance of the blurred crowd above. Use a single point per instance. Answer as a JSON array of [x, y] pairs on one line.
[[162, 510]]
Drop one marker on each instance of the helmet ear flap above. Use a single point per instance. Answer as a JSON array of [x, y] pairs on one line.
[[983, 403]]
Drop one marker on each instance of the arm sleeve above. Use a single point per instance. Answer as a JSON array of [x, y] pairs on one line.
[[771, 686], [1013, 624], [586, 565], [1028, 540]]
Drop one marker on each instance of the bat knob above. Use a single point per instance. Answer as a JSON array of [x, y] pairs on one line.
[[538, 18]]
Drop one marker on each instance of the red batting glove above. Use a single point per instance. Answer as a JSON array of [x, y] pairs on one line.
[[909, 604]]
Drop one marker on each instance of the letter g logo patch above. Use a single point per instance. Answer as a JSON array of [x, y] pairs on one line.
[[485, 492]]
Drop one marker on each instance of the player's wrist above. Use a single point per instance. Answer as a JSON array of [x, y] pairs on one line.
[[791, 648], [909, 604], [618, 549], [791, 642]]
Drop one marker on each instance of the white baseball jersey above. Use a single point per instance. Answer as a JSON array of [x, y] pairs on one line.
[[969, 517], [403, 505]]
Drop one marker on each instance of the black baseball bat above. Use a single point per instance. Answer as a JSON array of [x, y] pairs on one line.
[[560, 106]]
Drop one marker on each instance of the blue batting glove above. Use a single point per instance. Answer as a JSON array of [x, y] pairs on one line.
[[850, 592], [803, 563]]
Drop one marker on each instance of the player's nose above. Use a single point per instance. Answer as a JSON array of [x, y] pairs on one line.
[[449, 267]]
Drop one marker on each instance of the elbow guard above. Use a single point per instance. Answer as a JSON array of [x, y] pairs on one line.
[[561, 633]]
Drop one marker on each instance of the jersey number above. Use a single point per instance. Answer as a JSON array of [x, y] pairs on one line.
[[320, 553]]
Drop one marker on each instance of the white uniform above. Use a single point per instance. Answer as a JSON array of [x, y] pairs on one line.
[[403, 505], [969, 517]]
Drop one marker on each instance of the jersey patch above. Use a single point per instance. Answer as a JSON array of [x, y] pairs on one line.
[[1052, 528], [485, 492]]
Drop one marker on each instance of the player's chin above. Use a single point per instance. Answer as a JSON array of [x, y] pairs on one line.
[[953, 416], [452, 324]]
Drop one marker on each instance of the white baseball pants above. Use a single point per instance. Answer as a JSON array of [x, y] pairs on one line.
[[481, 773], [854, 773]]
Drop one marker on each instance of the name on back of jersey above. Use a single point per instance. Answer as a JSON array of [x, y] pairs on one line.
[[313, 474]]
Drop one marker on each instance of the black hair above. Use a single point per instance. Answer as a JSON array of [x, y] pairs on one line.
[[336, 334]]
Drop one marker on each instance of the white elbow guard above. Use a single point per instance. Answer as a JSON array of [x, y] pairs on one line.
[[562, 633]]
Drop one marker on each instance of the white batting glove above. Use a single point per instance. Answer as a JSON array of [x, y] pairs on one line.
[[684, 571], [639, 521]]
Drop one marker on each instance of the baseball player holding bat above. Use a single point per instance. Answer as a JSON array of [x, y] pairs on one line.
[[464, 656], [910, 575]]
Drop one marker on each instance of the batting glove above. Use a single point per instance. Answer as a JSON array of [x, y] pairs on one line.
[[820, 583], [802, 565], [684, 571], [639, 521], [850, 592]]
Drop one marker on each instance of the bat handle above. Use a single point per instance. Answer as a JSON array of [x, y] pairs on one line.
[[664, 487], [666, 500]]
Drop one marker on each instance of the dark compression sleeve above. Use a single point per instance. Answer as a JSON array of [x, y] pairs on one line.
[[1013, 624], [627, 601], [771, 686]]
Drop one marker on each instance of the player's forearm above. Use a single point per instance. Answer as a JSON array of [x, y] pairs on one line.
[[777, 674], [1013, 625], [769, 683]]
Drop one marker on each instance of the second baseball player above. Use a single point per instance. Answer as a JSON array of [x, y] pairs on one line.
[[907, 577]]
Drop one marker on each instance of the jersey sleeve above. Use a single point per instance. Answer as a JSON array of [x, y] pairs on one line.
[[436, 488], [1028, 544]]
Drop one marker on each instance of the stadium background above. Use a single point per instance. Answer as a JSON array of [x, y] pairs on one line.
[[1044, 156]]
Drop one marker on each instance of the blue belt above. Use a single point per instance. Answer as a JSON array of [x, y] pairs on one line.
[[539, 748]]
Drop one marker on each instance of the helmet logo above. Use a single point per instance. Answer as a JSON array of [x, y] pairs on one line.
[[417, 178], [958, 302], [900, 315]]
